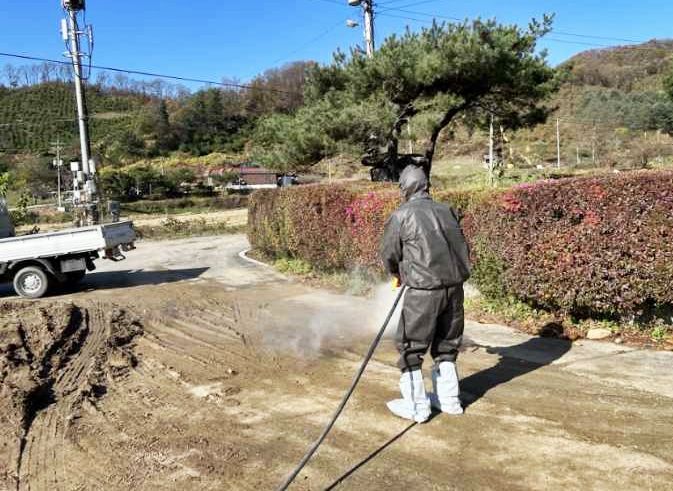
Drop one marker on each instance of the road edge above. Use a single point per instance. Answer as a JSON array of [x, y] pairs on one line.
[[244, 255]]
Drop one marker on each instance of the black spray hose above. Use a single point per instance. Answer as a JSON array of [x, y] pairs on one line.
[[348, 395]]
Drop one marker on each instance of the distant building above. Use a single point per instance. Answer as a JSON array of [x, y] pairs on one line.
[[258, 176], [251, 178]]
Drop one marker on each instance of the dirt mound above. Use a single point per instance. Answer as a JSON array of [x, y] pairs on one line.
[[57, 354]]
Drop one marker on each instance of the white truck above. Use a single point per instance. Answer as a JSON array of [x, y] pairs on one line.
[[35, 262]]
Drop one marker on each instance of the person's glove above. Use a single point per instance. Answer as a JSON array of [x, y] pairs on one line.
[[397, 283]]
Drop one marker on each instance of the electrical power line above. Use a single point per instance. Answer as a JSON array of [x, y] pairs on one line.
[[335, 2], [414, 4], [151, 74], [414, 12], [555, 31], [390, 2], [589, 36], [310, 42], [48, 122], [41, 123], [547, 38]]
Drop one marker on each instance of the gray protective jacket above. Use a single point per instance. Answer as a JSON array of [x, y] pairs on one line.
[[423, 242]]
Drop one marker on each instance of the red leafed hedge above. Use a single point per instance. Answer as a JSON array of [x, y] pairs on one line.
[[584, 245], [331, 227], [306, 222], [594, 245], [367, 216]]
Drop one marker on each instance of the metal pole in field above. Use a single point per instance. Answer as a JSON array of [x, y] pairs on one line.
[[558, 143], [60, 201], [491, 156], [58, 163]]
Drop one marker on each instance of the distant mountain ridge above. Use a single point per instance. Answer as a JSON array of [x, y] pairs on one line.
[[639, 67], [603, 90]]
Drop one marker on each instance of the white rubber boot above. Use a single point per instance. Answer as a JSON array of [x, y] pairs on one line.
[[446, 389], [415, 404]]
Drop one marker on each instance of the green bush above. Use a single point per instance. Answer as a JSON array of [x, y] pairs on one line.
[[293, 266], [172, 206], [267, 230]]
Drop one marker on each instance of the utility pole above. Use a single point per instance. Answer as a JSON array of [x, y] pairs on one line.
[[58, 163], [71, 34], [558, 143], [368, 6], [368, 10], [491, 156]]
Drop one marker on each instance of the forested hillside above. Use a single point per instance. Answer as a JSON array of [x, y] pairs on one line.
[[33, 116], [132, 119], [614, 107]]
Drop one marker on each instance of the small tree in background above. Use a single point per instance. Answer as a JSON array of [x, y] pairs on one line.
[[437, 75]]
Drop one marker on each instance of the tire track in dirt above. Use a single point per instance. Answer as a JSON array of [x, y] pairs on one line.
[[42, 459], [190, 361], [54, 359], [207, 328]]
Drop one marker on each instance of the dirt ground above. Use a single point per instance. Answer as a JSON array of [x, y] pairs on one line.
[[232, 217], [186, 367]]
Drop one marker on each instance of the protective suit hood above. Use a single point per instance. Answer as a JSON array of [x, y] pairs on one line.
[[413, 182]]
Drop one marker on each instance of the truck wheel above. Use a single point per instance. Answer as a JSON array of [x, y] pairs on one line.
[[31, 282]]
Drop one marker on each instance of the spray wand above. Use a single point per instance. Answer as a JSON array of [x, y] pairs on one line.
[[349, 393]]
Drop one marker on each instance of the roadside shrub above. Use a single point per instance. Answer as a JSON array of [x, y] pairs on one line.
[[171, 206], [600, 246], [21, 215], [316, 224], [293, 266], [463, 201], [586, 246], [331, 227], [367, 215], [307, 223]]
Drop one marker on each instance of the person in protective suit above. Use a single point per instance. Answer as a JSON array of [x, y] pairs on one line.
[[424, 248]]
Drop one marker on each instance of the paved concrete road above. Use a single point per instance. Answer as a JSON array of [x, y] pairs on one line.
[[160, 262]]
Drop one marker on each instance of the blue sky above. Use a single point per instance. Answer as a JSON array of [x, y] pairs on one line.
[[216, 39]]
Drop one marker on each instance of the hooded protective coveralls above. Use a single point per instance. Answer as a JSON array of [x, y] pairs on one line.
[[424, 246]]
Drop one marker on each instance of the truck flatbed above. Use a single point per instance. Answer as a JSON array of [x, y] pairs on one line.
[[67, 242]]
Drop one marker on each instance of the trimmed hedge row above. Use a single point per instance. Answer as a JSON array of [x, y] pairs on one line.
[[586, 246], [153, 207], [314, 223], [594, 245]]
